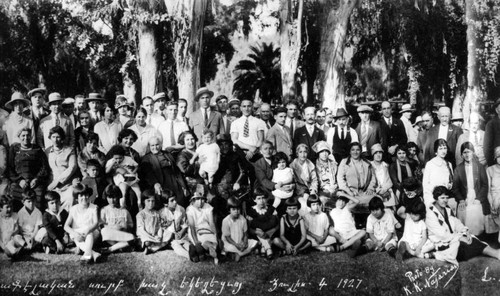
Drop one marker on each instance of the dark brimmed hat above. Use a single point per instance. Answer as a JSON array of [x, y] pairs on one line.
[[341, 112], [41, 90], [202, 91], [94, 97], [17, 96], [291, 202]]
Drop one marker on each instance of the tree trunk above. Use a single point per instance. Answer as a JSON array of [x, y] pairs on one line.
[[473, 96], [187, 34], [291, 43], [334, 29], [148, 61]]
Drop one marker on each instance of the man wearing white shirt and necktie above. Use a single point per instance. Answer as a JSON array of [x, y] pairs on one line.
[[171, 128], [291, 119], [247, 132]]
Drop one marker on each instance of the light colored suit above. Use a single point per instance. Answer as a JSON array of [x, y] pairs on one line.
[[48, 122], [280, 137], [197, 123]]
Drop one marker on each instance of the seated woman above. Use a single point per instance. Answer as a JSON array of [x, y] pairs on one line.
[[62, 162], [412, 152], [470, 187], [306, 180], [90, 151], [355, 176], [188, 170], [326, 169], [381, 170], [399, 171], [438, 172], [452, 239], [126, 138]]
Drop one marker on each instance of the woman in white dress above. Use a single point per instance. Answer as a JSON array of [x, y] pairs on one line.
[[438, 172], [384, 182]]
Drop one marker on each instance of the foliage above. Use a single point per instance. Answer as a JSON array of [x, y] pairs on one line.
[[488, 30], [261, 72]]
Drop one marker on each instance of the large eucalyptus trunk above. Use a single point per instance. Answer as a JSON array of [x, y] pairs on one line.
[[334, 30], [149, 60], [291, 43], [187, 34]]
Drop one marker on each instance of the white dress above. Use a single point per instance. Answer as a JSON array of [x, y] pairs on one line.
[[83, 218], [284, 176], [343, 222], [211, 152], [413, 234], [437, 173]]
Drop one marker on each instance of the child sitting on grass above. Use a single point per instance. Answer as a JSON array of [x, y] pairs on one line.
[[414, 241], [317, 226], [263, 222], [293, 230], [380, 228], [116, 222], [83, 223], [148, 221], [55, 239], [174, 224], [123, 169], [344, 227], [234, 232], [202, 228], [30, 220], [11, 240]]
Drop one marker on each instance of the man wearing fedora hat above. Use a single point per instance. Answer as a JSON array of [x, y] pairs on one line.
[[492, 135], [94, 101], [17, 120], [204, 118], [340, 136], [406, 112], [393, 131], [369, 131], [55, 118], [68, 108]]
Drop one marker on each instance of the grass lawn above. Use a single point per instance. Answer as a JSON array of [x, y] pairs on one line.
[[314, 274]]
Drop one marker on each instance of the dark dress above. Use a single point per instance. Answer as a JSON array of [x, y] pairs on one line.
[[292, 231], [190, 171]]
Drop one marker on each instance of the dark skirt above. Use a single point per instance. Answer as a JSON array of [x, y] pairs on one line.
[[466, 252]]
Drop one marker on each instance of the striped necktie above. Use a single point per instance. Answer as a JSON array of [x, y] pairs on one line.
[[246, 129]]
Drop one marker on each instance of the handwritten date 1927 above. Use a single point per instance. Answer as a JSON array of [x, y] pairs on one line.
[[349, 283]]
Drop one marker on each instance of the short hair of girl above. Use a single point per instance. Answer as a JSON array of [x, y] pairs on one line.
[[413, 145], [440, 190], [94, 163], [279, 157], [417, 208], [376, 203], [402, 147], [166, 194], [28, 194], [57, 130], [183, 135], [233, 203], [300, 146], [125, 133], [313, 198], [258, 191], [147, 194], [52, 196], [116, 150], [91, 136], [411, 184], [141, 110], [112, 191], [4, 200], [292, 202], [81, 189], [24, 129], [467, 145], [440, 142]]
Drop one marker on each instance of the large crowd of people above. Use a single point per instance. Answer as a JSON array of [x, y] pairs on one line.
[[236, 177]]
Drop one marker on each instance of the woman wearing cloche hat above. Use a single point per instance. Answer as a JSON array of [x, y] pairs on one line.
[[326, 168], [17, 120]]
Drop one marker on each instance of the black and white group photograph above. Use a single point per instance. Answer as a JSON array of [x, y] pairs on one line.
[[249, 147]]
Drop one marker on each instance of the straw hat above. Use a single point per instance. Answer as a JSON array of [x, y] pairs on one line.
[[160, 95], [94, 97], [233, 102], [417, 120], [41, 90], [457, 116], [406, 108], [377, 148], [364, 108], [202, 91], [17, 96], [68, 101], [55, 97]]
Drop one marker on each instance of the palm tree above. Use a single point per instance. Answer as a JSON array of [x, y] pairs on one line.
[[260, 72]]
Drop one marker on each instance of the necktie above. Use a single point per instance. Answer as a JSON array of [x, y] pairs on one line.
[[475, 140], [172, 136], [291, 128], [268, 125], [58, 121], [342, 133], [206, 118], [364, 134], [246, 129], [390, 123]]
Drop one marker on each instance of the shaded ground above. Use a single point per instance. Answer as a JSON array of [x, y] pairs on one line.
[[312, 274]]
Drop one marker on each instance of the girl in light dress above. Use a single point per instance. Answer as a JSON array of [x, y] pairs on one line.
[[149, 229], [174, 224], [82, 223], [282, 175], [11, 240], [414, 240], [116, 222]]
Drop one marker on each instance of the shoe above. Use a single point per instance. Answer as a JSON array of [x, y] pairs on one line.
[[47, 250], [237, 257], [84, 260], [399, 254], [193, 256], [147, 251], [392, 251], [269, 254], [97, 258]]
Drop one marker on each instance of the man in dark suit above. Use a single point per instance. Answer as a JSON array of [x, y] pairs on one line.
[[308, 134], [442, 131], [204, 118], [393, 131], [369, 131]]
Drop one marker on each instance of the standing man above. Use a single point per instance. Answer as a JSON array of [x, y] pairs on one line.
[[309, 134], [341, 136], [321, 120], [267, 116], [221, 102], [473, 135], [68, 108], [148, 105], [79, 104], [94, 101], [158, 117], [38, 112], [369, 131], [492, 135], [171, 128], [181, 114], [411, 133], [291, 117], [393, 131], [56, 118], [204, 118], [279, 134]]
